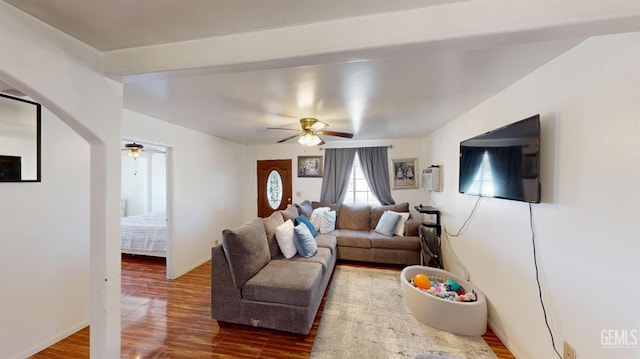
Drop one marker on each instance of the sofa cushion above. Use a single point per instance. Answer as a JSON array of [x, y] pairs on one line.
[[305, 208], [327, 241], [411, 227], [403, 243], [354, 217], [290, 213], [352, 238], [377, 211], [285, 239], [246, 249], [285, 282], [270, 225], [323, 257], [387, 223], [304, 241], [328, 222]]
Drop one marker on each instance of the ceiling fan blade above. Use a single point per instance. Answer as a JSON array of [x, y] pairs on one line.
[[337, 134], [282, 128], [153, 150], [288, 138], [321, 141]]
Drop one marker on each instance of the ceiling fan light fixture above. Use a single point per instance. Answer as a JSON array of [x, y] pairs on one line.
[[309, 139], [318, 126], [134, 149]]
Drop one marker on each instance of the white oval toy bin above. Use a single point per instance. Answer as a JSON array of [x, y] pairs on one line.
[[464, 318]]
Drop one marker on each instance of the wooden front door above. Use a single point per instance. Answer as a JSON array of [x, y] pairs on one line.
[[274, 186]]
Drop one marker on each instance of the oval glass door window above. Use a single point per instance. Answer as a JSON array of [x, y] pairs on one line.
[[274, 189]]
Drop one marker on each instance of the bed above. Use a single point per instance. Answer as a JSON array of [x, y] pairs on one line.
[[144, 234]]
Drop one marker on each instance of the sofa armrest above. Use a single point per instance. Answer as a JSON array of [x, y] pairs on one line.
[[225, 296], [411, 228]]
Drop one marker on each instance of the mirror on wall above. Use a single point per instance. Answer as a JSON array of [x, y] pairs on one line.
[[19, 139]]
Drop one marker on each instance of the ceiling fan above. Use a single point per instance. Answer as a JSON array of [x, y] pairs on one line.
[[135, 149], [311, 128]]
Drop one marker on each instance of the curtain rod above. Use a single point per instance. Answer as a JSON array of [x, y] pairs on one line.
[[332, 148]]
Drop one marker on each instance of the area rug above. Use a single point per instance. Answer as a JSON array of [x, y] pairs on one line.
[[364, 316]]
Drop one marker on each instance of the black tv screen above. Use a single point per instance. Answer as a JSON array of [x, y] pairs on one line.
[[10, 168], [503, 163]]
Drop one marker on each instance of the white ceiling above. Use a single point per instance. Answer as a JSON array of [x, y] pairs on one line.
[[441, 57]]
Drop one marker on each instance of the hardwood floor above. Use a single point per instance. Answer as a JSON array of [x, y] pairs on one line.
[[171, 319]]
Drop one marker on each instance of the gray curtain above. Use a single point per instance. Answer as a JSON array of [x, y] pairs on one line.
[[375, 167], [338, 163]]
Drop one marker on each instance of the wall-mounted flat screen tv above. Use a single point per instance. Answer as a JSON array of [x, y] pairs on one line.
[[10, 168], [503, 163]]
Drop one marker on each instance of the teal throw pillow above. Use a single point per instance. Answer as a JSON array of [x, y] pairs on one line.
[[303, 219], [304, 241], [387, 223]]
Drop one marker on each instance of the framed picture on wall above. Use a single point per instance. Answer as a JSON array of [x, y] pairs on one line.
[[309, 166], [405, 173]]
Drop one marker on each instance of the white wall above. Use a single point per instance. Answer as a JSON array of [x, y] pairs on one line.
[[309, 188], [63, 75], [144, 183], [207, 186], [44, 236], [135, 182], [587, 228]]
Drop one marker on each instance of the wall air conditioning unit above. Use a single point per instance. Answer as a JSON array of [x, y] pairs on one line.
[[431, 178]]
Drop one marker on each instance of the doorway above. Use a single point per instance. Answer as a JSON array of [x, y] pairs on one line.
[[146, 201], [274, 186]]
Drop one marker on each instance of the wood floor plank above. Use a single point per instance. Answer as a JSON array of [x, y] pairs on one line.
[[171, 319]]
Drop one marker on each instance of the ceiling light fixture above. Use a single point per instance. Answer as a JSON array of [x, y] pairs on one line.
[[309, 139], [134, 149]]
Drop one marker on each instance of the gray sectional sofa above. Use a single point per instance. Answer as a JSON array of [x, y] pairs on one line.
[[253, 284], [357, 240]]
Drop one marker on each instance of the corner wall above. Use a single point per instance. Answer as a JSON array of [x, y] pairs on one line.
[[587, 230]]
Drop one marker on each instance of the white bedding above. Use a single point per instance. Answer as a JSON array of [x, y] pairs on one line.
[[144, 234]]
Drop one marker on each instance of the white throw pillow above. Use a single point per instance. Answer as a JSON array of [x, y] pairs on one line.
[[387, 223], [399, 231], [284, 237], [328, 222], [316, 216]]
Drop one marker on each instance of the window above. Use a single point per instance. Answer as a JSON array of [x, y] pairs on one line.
[[358, 191], [483, 182]]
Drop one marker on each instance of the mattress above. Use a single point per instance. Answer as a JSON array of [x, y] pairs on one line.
[[144, 234]]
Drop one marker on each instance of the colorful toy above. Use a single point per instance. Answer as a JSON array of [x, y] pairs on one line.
[[453, 284], [447, 289], [422, 281]]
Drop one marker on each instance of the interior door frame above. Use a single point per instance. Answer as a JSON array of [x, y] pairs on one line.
[[170, 267]]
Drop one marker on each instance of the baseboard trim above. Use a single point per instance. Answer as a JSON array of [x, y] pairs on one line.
[[51, 341], [193, 266], [504, 339]]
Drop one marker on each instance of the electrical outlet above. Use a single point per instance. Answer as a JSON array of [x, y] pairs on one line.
[[568, 352], [217, 242], [298, 194]]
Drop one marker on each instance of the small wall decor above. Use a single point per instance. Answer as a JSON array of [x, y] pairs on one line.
[[309, 166], [405, 173]]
